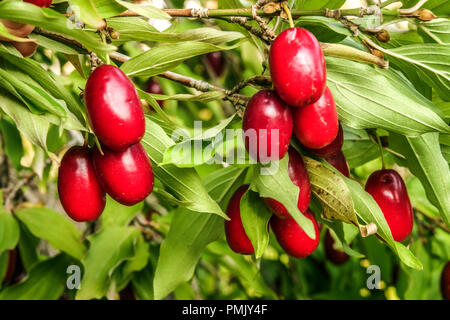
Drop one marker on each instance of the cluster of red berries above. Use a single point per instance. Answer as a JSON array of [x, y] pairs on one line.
[[121, 168], [40, 3]]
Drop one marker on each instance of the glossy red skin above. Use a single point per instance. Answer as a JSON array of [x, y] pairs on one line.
[[340, 163], [216, 62], [127, 176], [79, 190], [445, 282], [114, 108], [333, 148], [299, 176], [297, 67], [40, 3], [389, 191], [11, 265], [294, 241], [153, 86], [234, 229], [266, 111], [334, 256], [317, 125]]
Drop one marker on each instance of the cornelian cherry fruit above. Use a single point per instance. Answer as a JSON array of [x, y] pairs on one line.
[[40, 3], [153, 86], [333, 148], [389, 191], [333, 255], [445, 282], [340, 163]]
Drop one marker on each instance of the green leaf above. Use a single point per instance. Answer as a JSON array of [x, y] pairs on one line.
[[439, 7], [9, 231], [147, 11], [437, 30], [326, 29], [255, 217], [320, 4], [88, 12], [332, 192], [108, 249], [57, 230], [274, 182], [13, 142], [425, 160], [191, 232], [167, 57], [368, 97], [116, 214], [185, 184], [45, 281], [8, 36]]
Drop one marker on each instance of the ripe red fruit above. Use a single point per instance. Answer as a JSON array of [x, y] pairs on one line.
[[127, 176], [340, 163], [216, 62], [297, 67], [153, 86], [234, 229], [11, 265], [389, 191], [292, 238], [299, 176], [114, 108], [445, 282], [267, 126], [316, 125], [40, 3], [79, 190], [333, 148], [335, 256]]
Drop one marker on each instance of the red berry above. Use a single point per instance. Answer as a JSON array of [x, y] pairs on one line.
[[445, 282], [12, 254], [216, 62], [267, 126], [40, 3], [299, 176], [335, 256], [153, 86], [127, 175], [292, 238], [79, 190], [333, 148], [234, 229], [340, 163], [389, 191], [297, 67], [317, 125], [114, 108]]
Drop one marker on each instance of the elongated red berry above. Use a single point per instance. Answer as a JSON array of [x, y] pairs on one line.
[[297, 67], [234, 229], [267, 126], [333, 255], [114, 108], [389, 191], [340, 163], [291, 237], [80, 192], [333, 148], [127, 175], [445, 282], [299, 176], [216, 62], [12, 256], [40, 3], [153, 86], [316, 125]]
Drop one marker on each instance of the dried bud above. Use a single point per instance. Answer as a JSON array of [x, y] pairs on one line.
[[424, 15], [383, 36], [115, 35], [272, 7], [377, 53]]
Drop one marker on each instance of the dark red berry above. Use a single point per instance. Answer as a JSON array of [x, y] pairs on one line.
[[291, 237], [297, 67], [445, 282], [340, 163], [127, 175], [79, 190], [153, 86], [267, 126], [389, 191], [316, 125], [114, 108], [40, 3], [234, 229], [335, 256], [299, 176], [216, 62], [12, 256], [333, 148]]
